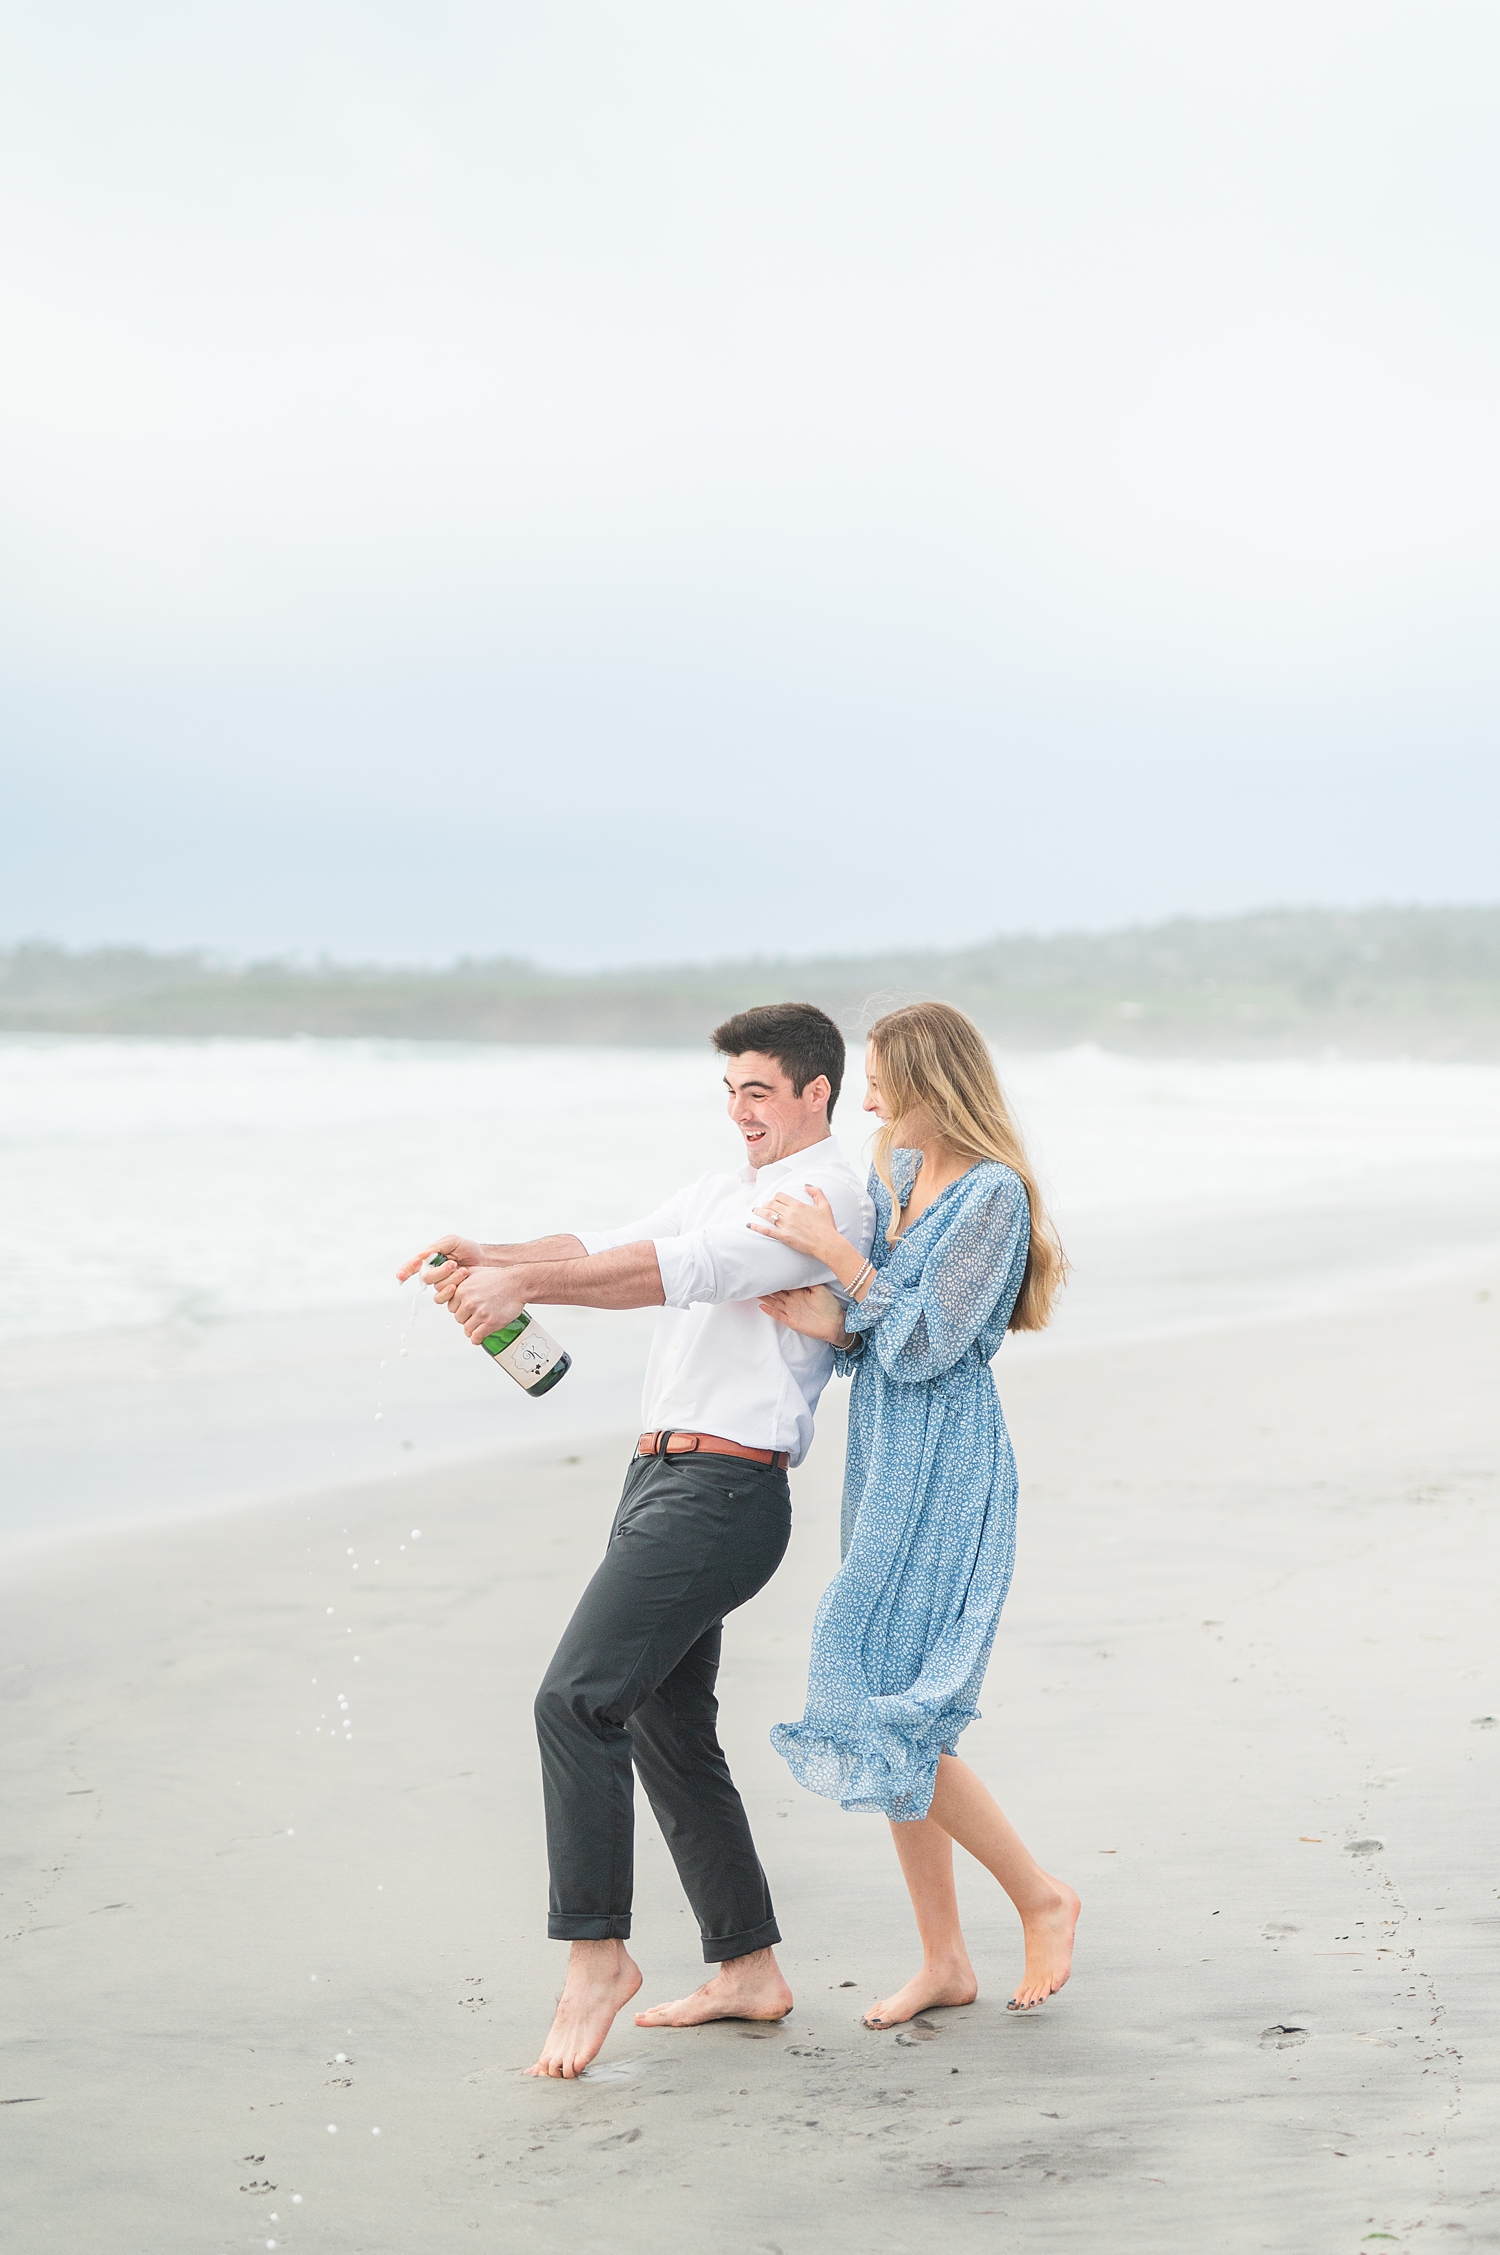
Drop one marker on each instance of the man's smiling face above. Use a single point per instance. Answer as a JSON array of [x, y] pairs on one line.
[[773, 1119]]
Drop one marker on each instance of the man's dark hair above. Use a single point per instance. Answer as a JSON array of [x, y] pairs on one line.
[[802, 1038]]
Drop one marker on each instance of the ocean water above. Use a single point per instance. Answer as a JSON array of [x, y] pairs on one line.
[[198, 1303], [149, 1181]]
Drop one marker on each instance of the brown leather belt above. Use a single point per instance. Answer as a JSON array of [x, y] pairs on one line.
[[706, 1444]]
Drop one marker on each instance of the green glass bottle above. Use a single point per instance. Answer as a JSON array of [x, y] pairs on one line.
[[524, 1350]]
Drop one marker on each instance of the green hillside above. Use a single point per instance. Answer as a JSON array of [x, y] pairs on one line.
[[1371, 982]]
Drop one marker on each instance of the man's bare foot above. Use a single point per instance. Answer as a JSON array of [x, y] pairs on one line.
[[951, 1983], [602, 1976], [744, 1988], [1049, 1948]]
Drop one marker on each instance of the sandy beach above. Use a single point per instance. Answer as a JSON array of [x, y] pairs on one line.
[[274, 1869]]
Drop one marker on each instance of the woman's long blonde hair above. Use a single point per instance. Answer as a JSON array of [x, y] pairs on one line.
[[937, 1077]]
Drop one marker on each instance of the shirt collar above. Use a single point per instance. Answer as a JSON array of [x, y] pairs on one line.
[[749, 1174]]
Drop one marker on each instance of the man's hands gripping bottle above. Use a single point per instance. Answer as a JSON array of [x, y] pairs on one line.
[[523, 1350]]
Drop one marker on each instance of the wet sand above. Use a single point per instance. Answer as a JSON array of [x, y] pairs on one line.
[[1243, 1696]]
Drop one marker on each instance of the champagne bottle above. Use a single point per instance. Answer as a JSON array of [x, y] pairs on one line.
[[523, 1350]]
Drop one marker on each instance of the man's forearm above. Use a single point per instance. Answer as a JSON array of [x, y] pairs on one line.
[[627, 1276], [539, 1249]]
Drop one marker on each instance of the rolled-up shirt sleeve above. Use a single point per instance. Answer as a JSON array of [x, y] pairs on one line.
[[730, 1261], [666, 1222]]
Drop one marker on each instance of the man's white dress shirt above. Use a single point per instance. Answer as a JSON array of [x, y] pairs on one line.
[[717, 1364]]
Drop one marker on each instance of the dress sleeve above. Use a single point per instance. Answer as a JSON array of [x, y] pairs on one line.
[[921, 1321], [846, 1360]]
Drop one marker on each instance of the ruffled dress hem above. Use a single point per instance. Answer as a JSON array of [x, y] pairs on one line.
[[892, 1774]]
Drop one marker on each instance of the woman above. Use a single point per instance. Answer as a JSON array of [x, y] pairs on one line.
[[963, 1253]]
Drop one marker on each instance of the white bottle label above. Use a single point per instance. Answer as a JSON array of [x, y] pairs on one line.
[[531, 1356]]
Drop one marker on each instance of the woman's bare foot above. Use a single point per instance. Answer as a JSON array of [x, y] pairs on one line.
[[1049, 1948], [602, 1976], [954, 1982], [744, 1988]]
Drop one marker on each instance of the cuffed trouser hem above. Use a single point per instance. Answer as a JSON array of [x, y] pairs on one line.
[[763, 1937], [562, 1926]]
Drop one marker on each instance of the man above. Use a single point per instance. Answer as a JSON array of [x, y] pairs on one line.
[[702, 1525]]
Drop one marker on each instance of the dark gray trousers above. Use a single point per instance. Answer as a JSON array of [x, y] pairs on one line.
[[632, 1682]]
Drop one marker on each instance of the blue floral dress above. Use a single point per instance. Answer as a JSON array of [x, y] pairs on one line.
[[903, 1634]]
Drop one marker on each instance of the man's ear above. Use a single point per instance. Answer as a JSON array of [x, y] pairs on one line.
[[818, 1091]]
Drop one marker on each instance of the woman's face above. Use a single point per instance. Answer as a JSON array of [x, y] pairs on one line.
[[874, 1101]]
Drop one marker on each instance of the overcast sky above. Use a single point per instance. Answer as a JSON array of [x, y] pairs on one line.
[[619, 479]]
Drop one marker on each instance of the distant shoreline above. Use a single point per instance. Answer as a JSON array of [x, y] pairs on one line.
[[1248, 1028], [1382, 982]]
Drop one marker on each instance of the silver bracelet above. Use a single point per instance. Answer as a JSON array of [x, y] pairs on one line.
[[867, 1270]]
